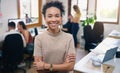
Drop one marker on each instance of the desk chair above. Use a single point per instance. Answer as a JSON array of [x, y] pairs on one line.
[[89, 38], [36, 31], [13, 51], [98, 31]]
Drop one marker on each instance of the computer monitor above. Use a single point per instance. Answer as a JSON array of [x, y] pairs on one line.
[[110, 54]]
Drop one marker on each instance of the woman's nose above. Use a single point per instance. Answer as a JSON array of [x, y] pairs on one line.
[[53, 18]]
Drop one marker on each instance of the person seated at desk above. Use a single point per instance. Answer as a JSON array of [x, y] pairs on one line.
[[23, 30], [28, 38], [11, 30]]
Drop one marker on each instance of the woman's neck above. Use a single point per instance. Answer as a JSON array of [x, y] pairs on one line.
[[54, 31], [22, 31]]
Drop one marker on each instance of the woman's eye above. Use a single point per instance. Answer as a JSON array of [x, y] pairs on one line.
[[49, 16], [57, 16]]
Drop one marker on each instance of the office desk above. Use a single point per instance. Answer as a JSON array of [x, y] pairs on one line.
[[85, 64]]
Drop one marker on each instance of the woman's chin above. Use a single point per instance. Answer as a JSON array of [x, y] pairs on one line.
[[54, 28]]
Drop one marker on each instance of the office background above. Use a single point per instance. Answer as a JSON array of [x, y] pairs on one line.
[[9, 10]]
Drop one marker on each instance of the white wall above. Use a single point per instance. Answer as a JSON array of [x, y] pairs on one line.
[[9, 10]]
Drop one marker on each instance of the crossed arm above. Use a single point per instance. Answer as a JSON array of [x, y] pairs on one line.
[[68, 65]]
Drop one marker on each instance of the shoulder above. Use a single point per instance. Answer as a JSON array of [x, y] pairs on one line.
[[11, 32], [67, 35], [41, 35], [26, 32]]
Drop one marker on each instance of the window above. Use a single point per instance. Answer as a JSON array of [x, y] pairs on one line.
[[107, 10], [29, 7], [30, 11], [83, 5]]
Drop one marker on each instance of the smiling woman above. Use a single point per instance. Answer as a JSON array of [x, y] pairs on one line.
[[57, 55], [30, 11]]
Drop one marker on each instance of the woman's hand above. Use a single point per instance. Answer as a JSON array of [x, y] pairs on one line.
[[39, 65], [70, 58]]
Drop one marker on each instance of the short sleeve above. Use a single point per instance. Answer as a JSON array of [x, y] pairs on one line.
[[71, 48], [37, 46]]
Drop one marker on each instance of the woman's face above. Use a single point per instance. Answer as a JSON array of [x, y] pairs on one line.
[[53, 18], [19, 27]]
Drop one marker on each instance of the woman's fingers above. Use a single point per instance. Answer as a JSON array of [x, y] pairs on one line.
[[38, 65], [71, 58]]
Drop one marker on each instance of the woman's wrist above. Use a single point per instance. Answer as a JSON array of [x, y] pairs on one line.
[[46, 66], [43, 65], [51, 67]]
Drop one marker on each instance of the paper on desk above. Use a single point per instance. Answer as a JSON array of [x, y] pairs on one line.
[[99, 51], [114, 34], [108, 43]]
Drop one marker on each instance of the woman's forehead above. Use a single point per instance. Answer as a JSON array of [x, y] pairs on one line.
[[52, 10]]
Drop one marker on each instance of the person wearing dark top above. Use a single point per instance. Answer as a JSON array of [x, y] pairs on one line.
[[67, 27], [28, 20]]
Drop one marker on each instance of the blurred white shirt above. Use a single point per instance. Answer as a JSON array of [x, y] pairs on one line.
[[2, 37]]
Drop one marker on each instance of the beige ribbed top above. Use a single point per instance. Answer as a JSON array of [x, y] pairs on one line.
[[53, 47]]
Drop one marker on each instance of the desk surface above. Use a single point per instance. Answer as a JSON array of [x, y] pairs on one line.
[[85, 64]]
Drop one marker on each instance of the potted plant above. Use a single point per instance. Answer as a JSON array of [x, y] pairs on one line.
[[89, 21]]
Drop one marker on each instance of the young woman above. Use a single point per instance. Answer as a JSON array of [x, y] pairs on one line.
[[28, 39], [23, 30], [75, 26], [54, 50]]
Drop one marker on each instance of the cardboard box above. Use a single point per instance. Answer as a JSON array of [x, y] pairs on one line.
[[107, 68]]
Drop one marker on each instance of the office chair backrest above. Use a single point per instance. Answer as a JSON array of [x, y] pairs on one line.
[[89, 38], [13, 49], [36, 31], [98, 30], [88, 34]]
